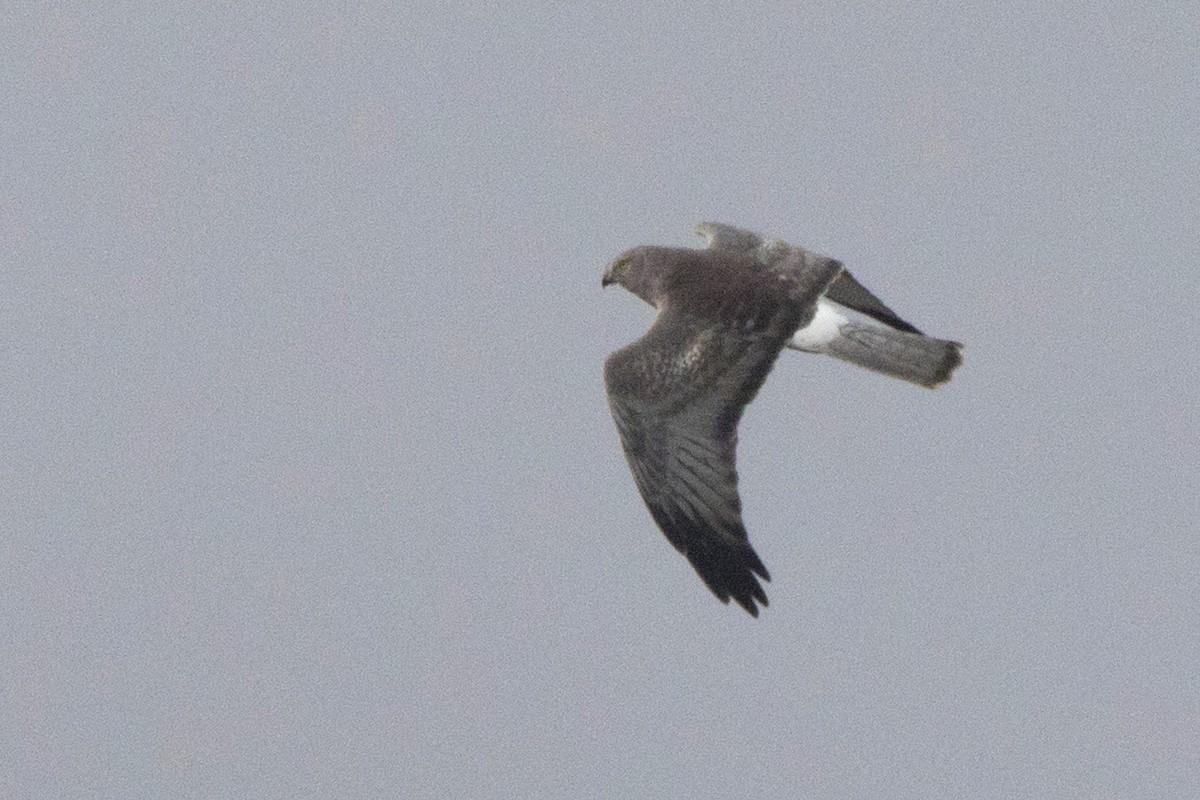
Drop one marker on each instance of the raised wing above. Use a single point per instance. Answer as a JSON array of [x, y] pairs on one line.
[[677, 395], [726, 237], [845, 290]]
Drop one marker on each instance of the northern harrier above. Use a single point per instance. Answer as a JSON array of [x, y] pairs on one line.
[[724, 314]]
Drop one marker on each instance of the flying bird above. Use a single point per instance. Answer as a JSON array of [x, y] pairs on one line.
[[725, 312]]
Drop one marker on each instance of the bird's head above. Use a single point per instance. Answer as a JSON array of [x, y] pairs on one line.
[[640, 270]]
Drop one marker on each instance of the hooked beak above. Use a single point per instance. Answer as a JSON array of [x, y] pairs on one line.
[[608, 278]]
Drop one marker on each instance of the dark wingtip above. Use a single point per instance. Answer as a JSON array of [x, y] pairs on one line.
[[730, 574], [748, 602]]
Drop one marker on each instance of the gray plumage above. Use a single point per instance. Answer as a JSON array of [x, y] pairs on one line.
[[895, 347], [845, 290], [677, 394]]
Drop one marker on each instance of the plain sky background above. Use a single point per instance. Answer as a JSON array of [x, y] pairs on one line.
[[308, 486]]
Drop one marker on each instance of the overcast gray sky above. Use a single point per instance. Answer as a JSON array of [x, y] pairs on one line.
[[308, 483]]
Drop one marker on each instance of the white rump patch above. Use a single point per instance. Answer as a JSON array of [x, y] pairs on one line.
[[824, 328]]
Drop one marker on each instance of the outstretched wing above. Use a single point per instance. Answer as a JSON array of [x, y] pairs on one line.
[[845, 290], [677, 395]]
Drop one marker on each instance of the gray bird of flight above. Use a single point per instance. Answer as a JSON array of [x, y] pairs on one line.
[[725, 313]]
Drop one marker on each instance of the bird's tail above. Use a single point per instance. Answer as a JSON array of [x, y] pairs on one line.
[[911, 357]]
